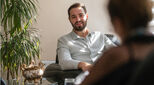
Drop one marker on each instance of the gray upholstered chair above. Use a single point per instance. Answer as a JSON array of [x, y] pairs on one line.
[[114, 39]]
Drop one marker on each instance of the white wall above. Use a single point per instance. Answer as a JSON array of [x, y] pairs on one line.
[[53, 21]]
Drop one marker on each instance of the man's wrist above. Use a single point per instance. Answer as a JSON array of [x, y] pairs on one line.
[[84, 66], [80, 65]]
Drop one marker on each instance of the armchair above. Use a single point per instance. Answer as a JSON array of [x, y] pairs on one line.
[[54, 72]]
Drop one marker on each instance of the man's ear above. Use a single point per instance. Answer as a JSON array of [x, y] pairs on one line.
[[87, 15]]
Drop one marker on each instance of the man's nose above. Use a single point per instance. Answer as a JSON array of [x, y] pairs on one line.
[[78, 18]]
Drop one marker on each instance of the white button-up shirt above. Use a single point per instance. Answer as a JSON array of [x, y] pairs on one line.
[[73, 49]]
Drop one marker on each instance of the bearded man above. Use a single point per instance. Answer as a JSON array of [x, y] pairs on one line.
[[80, 48]]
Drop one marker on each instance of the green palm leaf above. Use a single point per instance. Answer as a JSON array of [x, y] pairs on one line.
[[18, 45]]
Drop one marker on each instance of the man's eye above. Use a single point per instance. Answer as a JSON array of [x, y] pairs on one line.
[[81, 14], [73, 17]]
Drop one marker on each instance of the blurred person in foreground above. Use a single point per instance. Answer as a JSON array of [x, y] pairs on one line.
[[130, 19]]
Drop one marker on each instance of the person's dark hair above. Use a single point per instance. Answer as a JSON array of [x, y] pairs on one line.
[[75, 5], [133, 13]]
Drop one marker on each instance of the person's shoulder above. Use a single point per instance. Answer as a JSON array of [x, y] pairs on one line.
[[65, 36], [117, 53], [116, 49]]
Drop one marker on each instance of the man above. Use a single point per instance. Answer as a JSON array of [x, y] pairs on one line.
[[80, 48]]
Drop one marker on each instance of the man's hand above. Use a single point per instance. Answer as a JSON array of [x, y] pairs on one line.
[[84, 66]]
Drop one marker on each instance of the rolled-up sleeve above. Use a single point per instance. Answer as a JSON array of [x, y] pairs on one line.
[[64, 56]]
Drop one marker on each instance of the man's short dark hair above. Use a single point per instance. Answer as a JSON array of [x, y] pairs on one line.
[[75, 5]]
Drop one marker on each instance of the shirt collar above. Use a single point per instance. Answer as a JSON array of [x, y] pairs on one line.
[[75, 36]]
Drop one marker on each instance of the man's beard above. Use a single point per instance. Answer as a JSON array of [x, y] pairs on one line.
[[79, 28]]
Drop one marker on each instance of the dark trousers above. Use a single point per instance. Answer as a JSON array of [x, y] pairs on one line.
[[54, 73]]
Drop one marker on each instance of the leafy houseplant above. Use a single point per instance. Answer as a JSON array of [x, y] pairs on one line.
[[19, 43]]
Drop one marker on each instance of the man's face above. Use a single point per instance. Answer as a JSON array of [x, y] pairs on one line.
[[78, 18]]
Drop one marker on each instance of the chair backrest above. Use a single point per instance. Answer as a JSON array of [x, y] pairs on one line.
[[114, 39], [57, 61], [145, 72]]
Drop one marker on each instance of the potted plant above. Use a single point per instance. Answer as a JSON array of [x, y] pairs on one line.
[[19, 43]]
